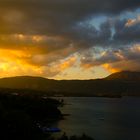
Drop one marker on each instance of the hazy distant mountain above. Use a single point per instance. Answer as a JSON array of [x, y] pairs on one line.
[[124, 75], [117, 84]]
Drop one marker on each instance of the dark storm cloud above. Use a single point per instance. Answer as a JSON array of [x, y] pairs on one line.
[[126, 34], [66, 28], [59, 16], [65, 18]]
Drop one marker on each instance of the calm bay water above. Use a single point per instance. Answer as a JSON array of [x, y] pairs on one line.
[[102, 118]]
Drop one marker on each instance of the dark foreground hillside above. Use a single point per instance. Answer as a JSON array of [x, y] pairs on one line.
[[26, 117], [20, 116]]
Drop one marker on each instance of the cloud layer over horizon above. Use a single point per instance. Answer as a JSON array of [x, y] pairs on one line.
[[55, 38]]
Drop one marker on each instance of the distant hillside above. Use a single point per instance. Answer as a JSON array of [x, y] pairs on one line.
[[26, 82], [115, 85], [125, 75]]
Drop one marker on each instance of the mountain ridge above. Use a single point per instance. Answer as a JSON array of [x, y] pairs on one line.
[[124, 75], [118, 84]]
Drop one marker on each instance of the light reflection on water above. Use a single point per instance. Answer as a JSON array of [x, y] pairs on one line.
[[102, 118]]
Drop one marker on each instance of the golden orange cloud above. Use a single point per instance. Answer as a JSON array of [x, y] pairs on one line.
[[86, 66], [32, 60], [68, 63], [132, 22], [31, 55], [110, 68], [13, 62]]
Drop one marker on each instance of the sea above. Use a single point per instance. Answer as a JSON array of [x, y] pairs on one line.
[[102, 118]]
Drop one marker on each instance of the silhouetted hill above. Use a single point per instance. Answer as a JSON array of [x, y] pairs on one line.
[[115, 85], [28, 82], [124, 75]]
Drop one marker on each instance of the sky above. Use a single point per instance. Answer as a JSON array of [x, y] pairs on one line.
[[69, 39]]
